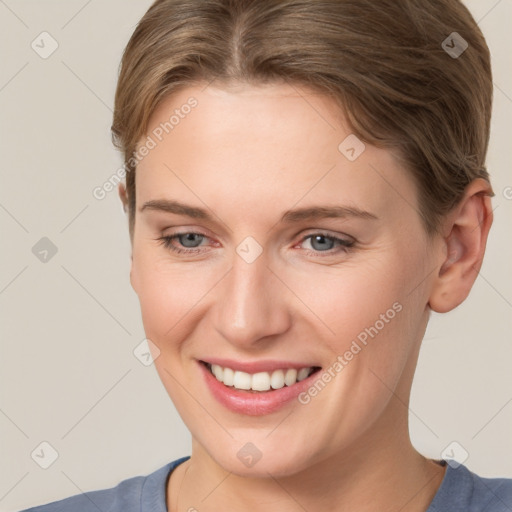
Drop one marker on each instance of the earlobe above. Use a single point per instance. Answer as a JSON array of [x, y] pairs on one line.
[[464, 247]]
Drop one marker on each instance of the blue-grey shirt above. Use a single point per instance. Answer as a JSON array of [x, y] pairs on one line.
[[461, 491]]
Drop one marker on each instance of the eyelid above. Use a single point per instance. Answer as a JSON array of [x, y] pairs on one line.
[[328, 234]]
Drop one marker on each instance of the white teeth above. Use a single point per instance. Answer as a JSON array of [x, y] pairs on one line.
[[261, 381], [290, 377], [242, 380], [217, 371], [228, 376], [303, 373], [277, 379]]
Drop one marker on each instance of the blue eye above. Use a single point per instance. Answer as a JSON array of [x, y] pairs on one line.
[[194, 239], [190, 243], [324, 242], [185, 239]]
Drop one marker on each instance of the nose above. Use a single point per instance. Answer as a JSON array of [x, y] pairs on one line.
[[252, 307]]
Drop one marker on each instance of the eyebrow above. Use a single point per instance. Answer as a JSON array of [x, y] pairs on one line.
[[295, 215]]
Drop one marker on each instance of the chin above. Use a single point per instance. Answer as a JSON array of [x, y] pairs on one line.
[[248, 461]]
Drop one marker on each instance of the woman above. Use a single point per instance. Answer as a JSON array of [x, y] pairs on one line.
[[305, 183]]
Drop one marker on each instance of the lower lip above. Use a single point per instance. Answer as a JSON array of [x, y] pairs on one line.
[[254, 404]]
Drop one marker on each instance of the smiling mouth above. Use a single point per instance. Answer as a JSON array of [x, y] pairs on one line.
[[259, 382]]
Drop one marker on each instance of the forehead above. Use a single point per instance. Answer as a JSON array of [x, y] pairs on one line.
[[262, 117], [269, 144]]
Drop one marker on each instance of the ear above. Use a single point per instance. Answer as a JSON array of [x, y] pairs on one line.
[[123, 196], [464, 240], [124, 199]]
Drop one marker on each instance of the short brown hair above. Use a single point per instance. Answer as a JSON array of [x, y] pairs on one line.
[[382, 61]]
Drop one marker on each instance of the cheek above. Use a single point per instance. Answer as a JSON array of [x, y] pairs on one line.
[[170, 295], [364, 311], [350, 298]]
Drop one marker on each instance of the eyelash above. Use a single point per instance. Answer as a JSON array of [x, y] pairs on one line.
[[346, 245]]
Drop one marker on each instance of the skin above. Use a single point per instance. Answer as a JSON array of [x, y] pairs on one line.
[[247, 154]]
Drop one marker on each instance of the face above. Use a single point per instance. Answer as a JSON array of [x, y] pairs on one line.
[[262, 247]]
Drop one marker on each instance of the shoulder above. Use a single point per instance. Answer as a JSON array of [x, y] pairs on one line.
[[492, 494], [464, 490], [127, 496]]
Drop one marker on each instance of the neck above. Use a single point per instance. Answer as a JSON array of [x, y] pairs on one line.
[[379, 472]]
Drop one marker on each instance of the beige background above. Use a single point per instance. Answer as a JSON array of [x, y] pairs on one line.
[[69, 326]]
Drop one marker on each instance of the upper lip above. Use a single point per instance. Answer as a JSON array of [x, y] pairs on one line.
[[268, 365]]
